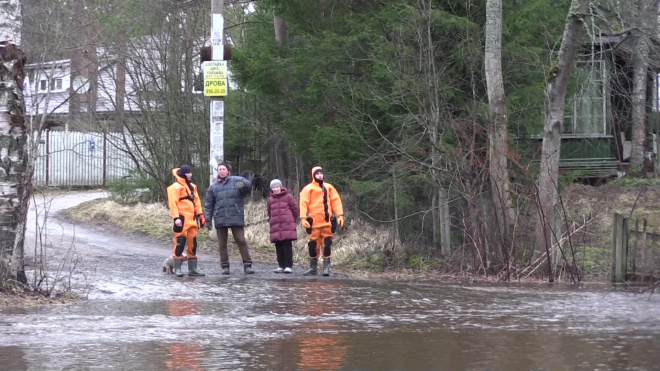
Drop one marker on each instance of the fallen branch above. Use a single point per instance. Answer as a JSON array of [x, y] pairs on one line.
[[565, 237]]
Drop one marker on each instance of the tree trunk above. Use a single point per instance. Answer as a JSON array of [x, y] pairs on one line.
[[77, 61], [443, 224], [285, 159], [559, 74], [92, 59], [432, 109], [120, 80], [647, 15], [13, 140], [640, 63], [395, 225], [281, 31], [476, 238], [10, 21], [498, 133]]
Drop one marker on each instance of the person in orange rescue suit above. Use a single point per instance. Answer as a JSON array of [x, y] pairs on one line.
[[186, 209], [319, 200]]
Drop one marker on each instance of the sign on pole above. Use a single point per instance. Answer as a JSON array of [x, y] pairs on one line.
[[215, 79], [217, 134], [218, 109]]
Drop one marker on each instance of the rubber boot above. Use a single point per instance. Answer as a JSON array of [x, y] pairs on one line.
[[247, 269], [177, 267], [313, 267], [192, 268], [225, 270], [326, 267]]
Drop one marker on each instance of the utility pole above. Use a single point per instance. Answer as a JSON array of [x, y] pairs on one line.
[[215, 86]]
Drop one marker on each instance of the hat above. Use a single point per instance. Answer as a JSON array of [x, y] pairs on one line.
[[275, 183], [183, 170]]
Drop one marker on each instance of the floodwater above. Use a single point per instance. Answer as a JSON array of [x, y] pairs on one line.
[[138, 318], [238, 322]]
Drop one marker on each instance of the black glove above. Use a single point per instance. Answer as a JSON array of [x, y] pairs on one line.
[[179, 229], [311, 223]]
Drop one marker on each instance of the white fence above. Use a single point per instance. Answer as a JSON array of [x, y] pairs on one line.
[[81, 159]]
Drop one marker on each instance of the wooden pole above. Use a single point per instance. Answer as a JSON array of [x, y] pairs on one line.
[[105, 158], [623, 261], [47, 157], [643, 246], [617, 241], [216, 142]]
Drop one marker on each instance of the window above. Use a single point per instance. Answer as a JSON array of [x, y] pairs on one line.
[[56, 84], [586, 111]]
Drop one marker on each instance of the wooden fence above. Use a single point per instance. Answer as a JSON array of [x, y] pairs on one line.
[[81, 159], [635, 247]]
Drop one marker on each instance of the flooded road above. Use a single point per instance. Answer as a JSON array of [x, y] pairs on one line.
[[139, 318]]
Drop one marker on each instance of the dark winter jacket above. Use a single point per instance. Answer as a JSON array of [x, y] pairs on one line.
[[224, 202], [283, 215]]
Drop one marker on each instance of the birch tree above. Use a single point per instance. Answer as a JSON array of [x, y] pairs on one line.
[[646, 14], [498, 133], [13, 139], [557, 84]]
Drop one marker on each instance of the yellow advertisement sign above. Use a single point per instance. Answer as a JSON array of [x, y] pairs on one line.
[[215, 87], [215, 79], [215, 70]]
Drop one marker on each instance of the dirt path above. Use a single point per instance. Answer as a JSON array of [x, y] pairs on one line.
[[97, 257], [97, 248]]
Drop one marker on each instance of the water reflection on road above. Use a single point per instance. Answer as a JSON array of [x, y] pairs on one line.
[[240, 322]]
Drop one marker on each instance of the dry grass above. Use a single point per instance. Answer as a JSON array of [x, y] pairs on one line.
[[637, 201], [151, 219], [154, 220], [603, 202], [356, 239], [23, 299]]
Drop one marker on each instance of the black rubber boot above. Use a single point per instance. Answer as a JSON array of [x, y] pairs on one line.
[[225, 270], [326, 266], [313, 267], [177, 267], [192, 268], [247, 269]]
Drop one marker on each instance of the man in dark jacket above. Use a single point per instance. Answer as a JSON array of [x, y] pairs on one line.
[[224, 205]]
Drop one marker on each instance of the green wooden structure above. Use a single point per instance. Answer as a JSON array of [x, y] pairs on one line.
[[596, 133]]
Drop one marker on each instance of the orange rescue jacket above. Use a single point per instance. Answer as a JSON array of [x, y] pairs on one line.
[[178, 197], [320, 202]]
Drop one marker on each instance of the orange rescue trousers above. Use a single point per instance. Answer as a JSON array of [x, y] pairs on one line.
[[321, 237], [187, 237]]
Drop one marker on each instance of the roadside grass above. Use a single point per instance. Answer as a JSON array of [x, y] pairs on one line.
[[634, 198], [17, 298], [350, 245]]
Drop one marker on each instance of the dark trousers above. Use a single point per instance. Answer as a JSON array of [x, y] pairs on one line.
[[284, 251], [239, 237]]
